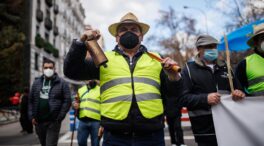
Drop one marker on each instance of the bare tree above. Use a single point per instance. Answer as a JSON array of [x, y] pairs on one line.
[[242, 12], [172, 23]]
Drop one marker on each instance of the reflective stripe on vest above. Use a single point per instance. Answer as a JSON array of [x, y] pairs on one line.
[[255, 74], [118, 87], [90, 102], [197, 113]]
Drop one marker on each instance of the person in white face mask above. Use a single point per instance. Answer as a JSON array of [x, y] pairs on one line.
[[250, 71], [205, 79], [49, 102]]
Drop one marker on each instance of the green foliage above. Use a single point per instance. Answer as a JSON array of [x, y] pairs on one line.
[[11, 48], [49, 48], [39, 41], [56, 52]]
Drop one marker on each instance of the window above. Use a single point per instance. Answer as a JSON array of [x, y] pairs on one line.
[[55, 20], [37, 28], [54, 41], [39, 4], [47, 36], [36, 61], [47, 13]]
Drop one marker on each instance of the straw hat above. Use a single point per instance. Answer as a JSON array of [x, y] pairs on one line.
[[128, 19], [258, 30]]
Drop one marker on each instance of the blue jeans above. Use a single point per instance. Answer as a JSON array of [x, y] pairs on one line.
[[152, 139], [86, 128]]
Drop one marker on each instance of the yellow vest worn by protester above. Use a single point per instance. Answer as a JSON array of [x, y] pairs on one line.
[[255, 74], [89, 102], [118, 85]]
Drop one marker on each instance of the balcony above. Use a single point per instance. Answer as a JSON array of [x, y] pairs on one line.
[[48, 24], [49, 2], [39, 41], [55, 30], [39, 15], [50, 49], [56, 9]]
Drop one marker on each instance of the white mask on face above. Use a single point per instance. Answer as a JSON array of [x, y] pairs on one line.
[[48, 72], [262, 45]]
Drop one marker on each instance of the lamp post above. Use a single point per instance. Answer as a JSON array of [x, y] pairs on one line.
[[203, 13]]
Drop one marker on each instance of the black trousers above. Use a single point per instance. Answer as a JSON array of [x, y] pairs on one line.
[[48, 133], [26, 124], [175, 129]]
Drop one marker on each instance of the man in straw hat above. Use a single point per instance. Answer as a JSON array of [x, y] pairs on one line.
[[205, 79], [250, 71], [133, 85]]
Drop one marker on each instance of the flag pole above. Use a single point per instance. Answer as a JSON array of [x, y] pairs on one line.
[[228, 64]]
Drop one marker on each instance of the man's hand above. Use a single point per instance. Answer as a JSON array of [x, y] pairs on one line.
[[238, 95], [168, 63], [90, 34], [76, 105], [34, 122], [213, 98], [100, 131]]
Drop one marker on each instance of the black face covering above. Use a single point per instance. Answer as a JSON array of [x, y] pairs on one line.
[[92, 84], [129, 40]]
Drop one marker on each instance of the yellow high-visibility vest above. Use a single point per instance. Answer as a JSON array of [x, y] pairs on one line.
[[89, 102], [255, 74], [118, 85]]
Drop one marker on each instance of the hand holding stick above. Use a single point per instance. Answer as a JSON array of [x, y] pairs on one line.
[[175, 67]]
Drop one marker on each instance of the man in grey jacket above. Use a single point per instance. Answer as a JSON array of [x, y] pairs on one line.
[[49, 102]]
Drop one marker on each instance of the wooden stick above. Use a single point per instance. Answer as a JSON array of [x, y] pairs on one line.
[[74, 122], [175, 67], [228, 64], [75, 115]]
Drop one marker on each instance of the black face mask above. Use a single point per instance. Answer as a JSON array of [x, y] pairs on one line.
[[129, 40], [92, 84]]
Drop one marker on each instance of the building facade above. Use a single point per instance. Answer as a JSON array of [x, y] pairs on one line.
[[54, 24]]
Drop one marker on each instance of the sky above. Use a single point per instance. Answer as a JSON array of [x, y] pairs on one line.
[[101, 13]]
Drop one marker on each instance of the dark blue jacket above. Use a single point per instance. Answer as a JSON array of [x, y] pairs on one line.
[[59, 98]]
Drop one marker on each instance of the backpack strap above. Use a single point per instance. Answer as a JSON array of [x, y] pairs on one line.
[[189, 73]]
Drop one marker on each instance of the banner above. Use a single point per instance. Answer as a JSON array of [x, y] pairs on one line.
[[239, 123]]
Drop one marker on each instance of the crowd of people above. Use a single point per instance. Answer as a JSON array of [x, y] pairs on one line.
[[127, 100]]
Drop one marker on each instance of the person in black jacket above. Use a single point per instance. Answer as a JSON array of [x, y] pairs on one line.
[[135, 129], [204, 81], [49, 102], [24, 120], [173, 119]]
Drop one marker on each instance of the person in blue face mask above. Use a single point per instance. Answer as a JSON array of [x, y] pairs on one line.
[[205, 79]]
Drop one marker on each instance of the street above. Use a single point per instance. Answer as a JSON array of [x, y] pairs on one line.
[[10, 136]]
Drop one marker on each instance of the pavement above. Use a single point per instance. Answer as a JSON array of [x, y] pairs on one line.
[[8, 116], [10, 134]]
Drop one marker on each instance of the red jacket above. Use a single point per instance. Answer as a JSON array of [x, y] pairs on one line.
[[15, 100]]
